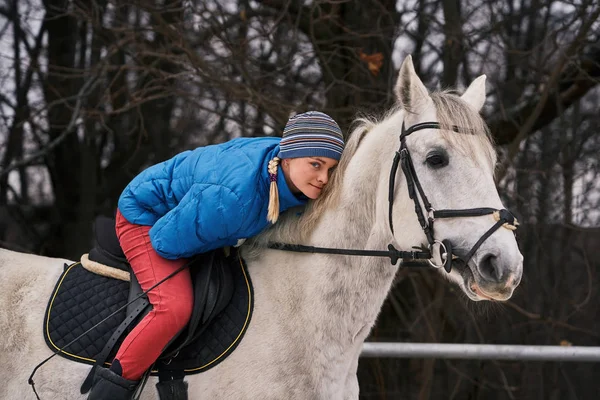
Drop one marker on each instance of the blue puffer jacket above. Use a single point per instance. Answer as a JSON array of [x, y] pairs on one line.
[[206, 198]]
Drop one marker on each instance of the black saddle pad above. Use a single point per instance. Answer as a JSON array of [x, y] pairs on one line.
[[82, 299]]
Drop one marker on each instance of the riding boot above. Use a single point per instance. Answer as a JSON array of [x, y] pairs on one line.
[[109, 385]]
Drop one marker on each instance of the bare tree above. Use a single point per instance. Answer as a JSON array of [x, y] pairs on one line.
[[99, 89]]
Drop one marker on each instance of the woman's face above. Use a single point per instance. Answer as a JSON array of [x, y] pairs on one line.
[[307, 175]]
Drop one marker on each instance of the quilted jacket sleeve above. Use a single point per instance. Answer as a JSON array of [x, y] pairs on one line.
[[207, 217]]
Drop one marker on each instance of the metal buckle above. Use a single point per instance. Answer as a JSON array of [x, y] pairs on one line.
[[171, 358], [444, 254], [430, 214]]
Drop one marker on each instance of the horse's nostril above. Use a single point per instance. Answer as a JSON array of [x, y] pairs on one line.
[[488, 268]]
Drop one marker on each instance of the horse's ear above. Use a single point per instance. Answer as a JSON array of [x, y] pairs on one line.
[[410, 91], [475, 93]]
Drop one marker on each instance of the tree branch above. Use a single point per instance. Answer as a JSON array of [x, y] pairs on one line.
[[306, 16], [570, 89], [88, 86]]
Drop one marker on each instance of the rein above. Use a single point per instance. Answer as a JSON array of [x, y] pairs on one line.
[[415, 191], [392, 252]]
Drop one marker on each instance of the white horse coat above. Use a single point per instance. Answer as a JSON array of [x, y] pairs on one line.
[[312, 312]]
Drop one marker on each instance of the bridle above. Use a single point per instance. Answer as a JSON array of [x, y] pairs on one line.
[[402, 157], [503, 217]]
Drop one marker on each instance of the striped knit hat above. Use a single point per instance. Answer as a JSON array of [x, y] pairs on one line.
[[311, 134]]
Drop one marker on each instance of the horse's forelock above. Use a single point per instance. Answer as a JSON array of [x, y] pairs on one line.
[[475, 136]]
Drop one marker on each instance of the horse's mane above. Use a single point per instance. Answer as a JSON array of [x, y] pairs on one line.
[[296, 227]]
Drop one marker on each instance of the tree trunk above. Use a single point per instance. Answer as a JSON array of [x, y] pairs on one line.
[[452, 52], [350, 66], [65, 161]]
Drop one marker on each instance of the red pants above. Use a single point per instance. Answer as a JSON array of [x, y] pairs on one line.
[[172, 300]]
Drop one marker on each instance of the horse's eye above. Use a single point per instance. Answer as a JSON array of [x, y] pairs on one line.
[[437, 159]]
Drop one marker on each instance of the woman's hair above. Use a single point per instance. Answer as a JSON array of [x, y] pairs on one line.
[[273, 211]]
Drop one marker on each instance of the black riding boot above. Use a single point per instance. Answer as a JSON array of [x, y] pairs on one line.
[[109, 385]]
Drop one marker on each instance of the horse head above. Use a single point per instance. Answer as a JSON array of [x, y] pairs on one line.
[[450, 177]]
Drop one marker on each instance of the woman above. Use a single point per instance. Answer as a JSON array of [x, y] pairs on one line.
[[201, 200]]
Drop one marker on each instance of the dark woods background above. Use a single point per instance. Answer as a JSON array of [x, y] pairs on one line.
[[93, 91]]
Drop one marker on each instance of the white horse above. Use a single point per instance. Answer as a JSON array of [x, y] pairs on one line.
[[313, 311]]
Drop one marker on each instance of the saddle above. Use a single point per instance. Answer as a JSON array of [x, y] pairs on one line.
[[223, 303]]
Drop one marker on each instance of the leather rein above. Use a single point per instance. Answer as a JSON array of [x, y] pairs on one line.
[[402, 157]]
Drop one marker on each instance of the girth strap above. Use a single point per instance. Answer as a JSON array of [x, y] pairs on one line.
[[171, 384]]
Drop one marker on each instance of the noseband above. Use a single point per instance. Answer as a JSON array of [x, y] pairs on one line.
[[503, 217], [415, 190]]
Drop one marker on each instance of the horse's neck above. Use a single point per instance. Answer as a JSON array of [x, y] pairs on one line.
[[366, 280], [343, 292], [355, 285]]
